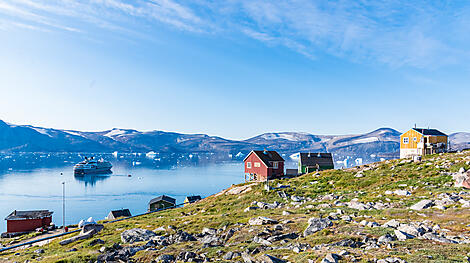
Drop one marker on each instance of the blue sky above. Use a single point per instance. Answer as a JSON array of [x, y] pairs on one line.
[[235, 68]]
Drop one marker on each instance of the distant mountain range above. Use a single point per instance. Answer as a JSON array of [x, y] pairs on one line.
[[381, 143]]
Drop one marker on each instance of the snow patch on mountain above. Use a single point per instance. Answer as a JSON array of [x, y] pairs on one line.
[[366, 140], [117, 132], [41, 130], [286, 136]]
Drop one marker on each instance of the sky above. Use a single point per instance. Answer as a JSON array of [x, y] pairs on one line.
[[235, 68]]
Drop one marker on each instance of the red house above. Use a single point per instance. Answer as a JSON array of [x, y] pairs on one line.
[[27, 221], [262, 165]]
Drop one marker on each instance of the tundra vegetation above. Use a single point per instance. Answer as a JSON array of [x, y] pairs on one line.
[[391, 211]]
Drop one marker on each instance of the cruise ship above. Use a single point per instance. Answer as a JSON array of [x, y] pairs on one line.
[[92, 166]]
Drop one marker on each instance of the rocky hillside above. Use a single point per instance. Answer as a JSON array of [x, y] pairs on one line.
[[392, 211]]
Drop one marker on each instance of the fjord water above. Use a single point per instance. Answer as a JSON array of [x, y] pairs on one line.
[[28, 183]]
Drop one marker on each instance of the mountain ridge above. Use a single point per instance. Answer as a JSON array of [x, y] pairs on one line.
[[370, 146]]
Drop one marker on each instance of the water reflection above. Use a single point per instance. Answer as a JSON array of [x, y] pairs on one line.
[[91, 179]]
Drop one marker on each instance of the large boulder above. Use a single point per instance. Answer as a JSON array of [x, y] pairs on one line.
[[423, 204], [261, 220], [137, 235], [317, 224]]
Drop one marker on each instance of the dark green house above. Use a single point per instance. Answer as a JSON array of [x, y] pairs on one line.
[[312, 162], [161, 202]]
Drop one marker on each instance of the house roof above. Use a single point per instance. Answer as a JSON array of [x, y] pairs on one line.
[[163, 198], [193, 198], [267, 157], [312, 159], [120, 213], [22, 215], [429, 132]]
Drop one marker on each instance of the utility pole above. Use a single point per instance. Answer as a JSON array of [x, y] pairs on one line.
[[63, 206]]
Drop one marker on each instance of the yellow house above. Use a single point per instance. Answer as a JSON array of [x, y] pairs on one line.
[[420, 142]]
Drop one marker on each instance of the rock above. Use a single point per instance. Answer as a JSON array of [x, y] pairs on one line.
[[211, 241], [282, 237], [423, 204], [297, 198], [239, 190], [391, 260], [228, 255], [209, 231], [39, 251], [95, 242], [90, 231], [247, 258], [402, 235], [317, 224], [347, 243], [410, 230], [386, 238], [392, 223], [182, 236], [261, 241], [166, 258], [354, 204], [261, 220], [137, 235], [250, 208], [102, 249], [402, 192], [286, 213], [435, 237], [270, 259], [331, 258]]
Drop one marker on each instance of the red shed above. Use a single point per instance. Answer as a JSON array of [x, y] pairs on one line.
[[27, 221], [262, 165]]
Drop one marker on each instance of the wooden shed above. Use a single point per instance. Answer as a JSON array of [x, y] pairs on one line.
[[27, 221]]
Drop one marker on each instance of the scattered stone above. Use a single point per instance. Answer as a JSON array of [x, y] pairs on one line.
[[270, 259], [317, 224], [392, 223], [331, 258], [423, 204], [402, 235], [137, 235], [261, 220]]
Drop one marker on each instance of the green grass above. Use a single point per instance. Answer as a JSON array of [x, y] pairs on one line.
[[227, 210]]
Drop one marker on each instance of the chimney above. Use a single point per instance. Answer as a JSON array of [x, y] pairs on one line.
[[265, 151]]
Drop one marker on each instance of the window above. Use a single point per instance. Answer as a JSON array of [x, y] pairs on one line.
[[406, 140], [248, 165], [415, 139], [257, 164], [275, 165]]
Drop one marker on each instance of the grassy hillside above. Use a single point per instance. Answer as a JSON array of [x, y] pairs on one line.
[[356, 201]]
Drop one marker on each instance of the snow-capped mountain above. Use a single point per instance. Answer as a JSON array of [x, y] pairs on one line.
[[381, 143]]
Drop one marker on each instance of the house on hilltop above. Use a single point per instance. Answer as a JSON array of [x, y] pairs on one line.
[[263, 165], [161, 202], [27, 221], [312, 162], [420, 142]]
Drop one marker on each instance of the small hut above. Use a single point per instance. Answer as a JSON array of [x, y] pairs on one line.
[[118, 213], [191, 199]]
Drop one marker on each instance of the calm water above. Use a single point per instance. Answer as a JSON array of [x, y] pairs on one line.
[[41, 187]]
